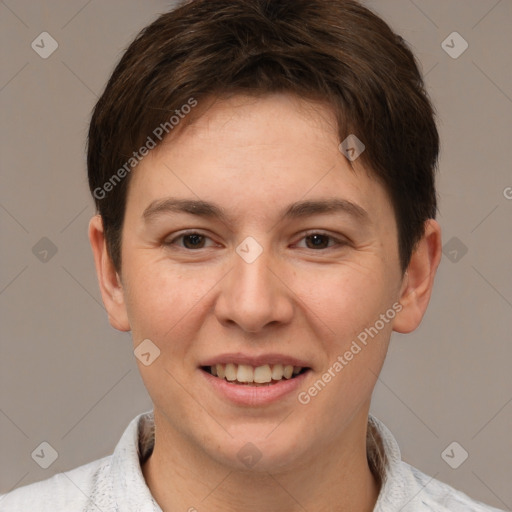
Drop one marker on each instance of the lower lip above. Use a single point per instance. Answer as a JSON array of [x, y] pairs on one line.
[[242, 394]]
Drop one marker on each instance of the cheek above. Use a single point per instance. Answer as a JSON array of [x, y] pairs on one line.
[[346, 307], [161, 303], [345, 299], [164, 306]]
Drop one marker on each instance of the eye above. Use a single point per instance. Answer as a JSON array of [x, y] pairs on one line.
[[318, 240], [191, 240], [314, 240]]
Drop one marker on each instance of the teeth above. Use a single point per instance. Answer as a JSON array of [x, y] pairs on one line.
[[246, 374], [277, 372], [288, 371], [262, 374], [230, 371]]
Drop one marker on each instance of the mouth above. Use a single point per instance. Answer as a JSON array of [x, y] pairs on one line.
[[254, 376]]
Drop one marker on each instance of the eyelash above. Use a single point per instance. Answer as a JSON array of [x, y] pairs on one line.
[[308, 234]]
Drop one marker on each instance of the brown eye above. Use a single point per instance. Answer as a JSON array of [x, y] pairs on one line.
[[190, 241], [193, 241], [317, 240]]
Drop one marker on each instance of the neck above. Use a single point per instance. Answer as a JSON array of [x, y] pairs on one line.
[[181, 476]]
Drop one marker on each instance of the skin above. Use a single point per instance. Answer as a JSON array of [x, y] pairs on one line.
[[254, 157]]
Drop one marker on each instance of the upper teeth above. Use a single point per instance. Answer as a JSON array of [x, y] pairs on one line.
[[258, 374]]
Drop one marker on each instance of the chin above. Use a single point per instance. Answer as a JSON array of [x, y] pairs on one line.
[[260, 449]]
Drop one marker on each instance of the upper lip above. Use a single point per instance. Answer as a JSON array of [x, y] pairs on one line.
[[259, 360]]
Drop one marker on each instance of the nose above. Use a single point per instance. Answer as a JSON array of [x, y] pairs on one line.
[[255, 294]]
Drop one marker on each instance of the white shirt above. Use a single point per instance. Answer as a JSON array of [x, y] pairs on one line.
[[116, 484]]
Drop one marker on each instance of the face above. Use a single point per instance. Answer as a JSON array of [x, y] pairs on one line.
[[266, 276]]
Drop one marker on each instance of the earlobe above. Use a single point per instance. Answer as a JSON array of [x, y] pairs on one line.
[[111, 288], [419, 279]]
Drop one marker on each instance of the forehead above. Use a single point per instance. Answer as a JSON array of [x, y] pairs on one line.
[[279, 124], [256, 153]]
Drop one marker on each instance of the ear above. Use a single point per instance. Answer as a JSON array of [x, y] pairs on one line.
[[111, 287], [419, 279]]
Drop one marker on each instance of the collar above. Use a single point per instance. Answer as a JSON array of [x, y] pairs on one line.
[[127, 487]]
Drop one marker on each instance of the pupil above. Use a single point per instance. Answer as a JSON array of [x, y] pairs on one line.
[[196, 239], [317, 238]]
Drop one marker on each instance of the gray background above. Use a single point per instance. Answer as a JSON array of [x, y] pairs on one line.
[[68, 378]]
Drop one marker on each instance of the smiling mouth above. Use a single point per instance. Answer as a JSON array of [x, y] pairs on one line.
[[247, 375]]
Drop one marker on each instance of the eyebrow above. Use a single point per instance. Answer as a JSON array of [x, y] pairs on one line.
[[296, 210]]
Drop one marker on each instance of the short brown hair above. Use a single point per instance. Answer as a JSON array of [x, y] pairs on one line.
[[336, 51]]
